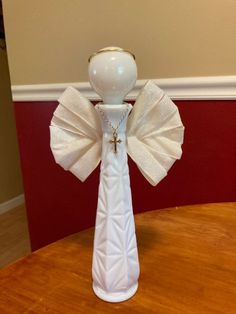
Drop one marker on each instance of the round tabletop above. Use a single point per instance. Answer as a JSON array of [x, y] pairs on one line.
[[187, 260]]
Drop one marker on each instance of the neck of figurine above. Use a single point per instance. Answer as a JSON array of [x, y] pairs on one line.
[[112, 100]]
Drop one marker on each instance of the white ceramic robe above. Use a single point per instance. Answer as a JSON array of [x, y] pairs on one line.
[[115, 258]]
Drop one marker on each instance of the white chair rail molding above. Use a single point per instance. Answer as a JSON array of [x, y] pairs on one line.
[[180, 88]]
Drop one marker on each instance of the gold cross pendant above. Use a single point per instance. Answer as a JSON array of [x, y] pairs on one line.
[[114, 141]]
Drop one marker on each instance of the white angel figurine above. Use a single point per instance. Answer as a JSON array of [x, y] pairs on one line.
[[82, 135]]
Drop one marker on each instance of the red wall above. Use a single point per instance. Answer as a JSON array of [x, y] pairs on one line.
[[58, 204]]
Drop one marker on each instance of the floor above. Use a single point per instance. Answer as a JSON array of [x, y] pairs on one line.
[[14, 236]]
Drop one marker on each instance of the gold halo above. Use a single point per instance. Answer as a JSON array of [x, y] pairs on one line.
[[110, 49]]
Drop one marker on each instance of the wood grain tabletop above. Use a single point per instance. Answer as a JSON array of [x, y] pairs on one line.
[[187, 259]]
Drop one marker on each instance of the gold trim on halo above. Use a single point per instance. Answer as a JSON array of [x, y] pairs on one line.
[[110, 49]]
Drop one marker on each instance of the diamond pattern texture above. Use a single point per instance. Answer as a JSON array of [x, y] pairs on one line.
[[115, 257]]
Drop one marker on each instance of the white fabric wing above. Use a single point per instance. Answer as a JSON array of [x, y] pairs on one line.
[[76, 134], [154, 133]]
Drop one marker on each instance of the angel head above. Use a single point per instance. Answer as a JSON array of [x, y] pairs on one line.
[[112, 73]]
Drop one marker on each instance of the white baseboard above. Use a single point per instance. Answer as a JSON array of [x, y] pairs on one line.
[[189, 88], [12, 203]]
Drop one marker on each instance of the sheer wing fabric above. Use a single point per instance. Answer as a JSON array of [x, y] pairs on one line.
[[154, 133], [76, 134]]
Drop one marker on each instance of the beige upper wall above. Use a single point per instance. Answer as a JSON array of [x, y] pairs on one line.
[[10, 176], [49, 41]]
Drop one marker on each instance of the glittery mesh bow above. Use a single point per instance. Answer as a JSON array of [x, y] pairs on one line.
[[154, 133]]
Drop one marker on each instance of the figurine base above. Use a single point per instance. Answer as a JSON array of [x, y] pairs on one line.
[[115, 296]]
